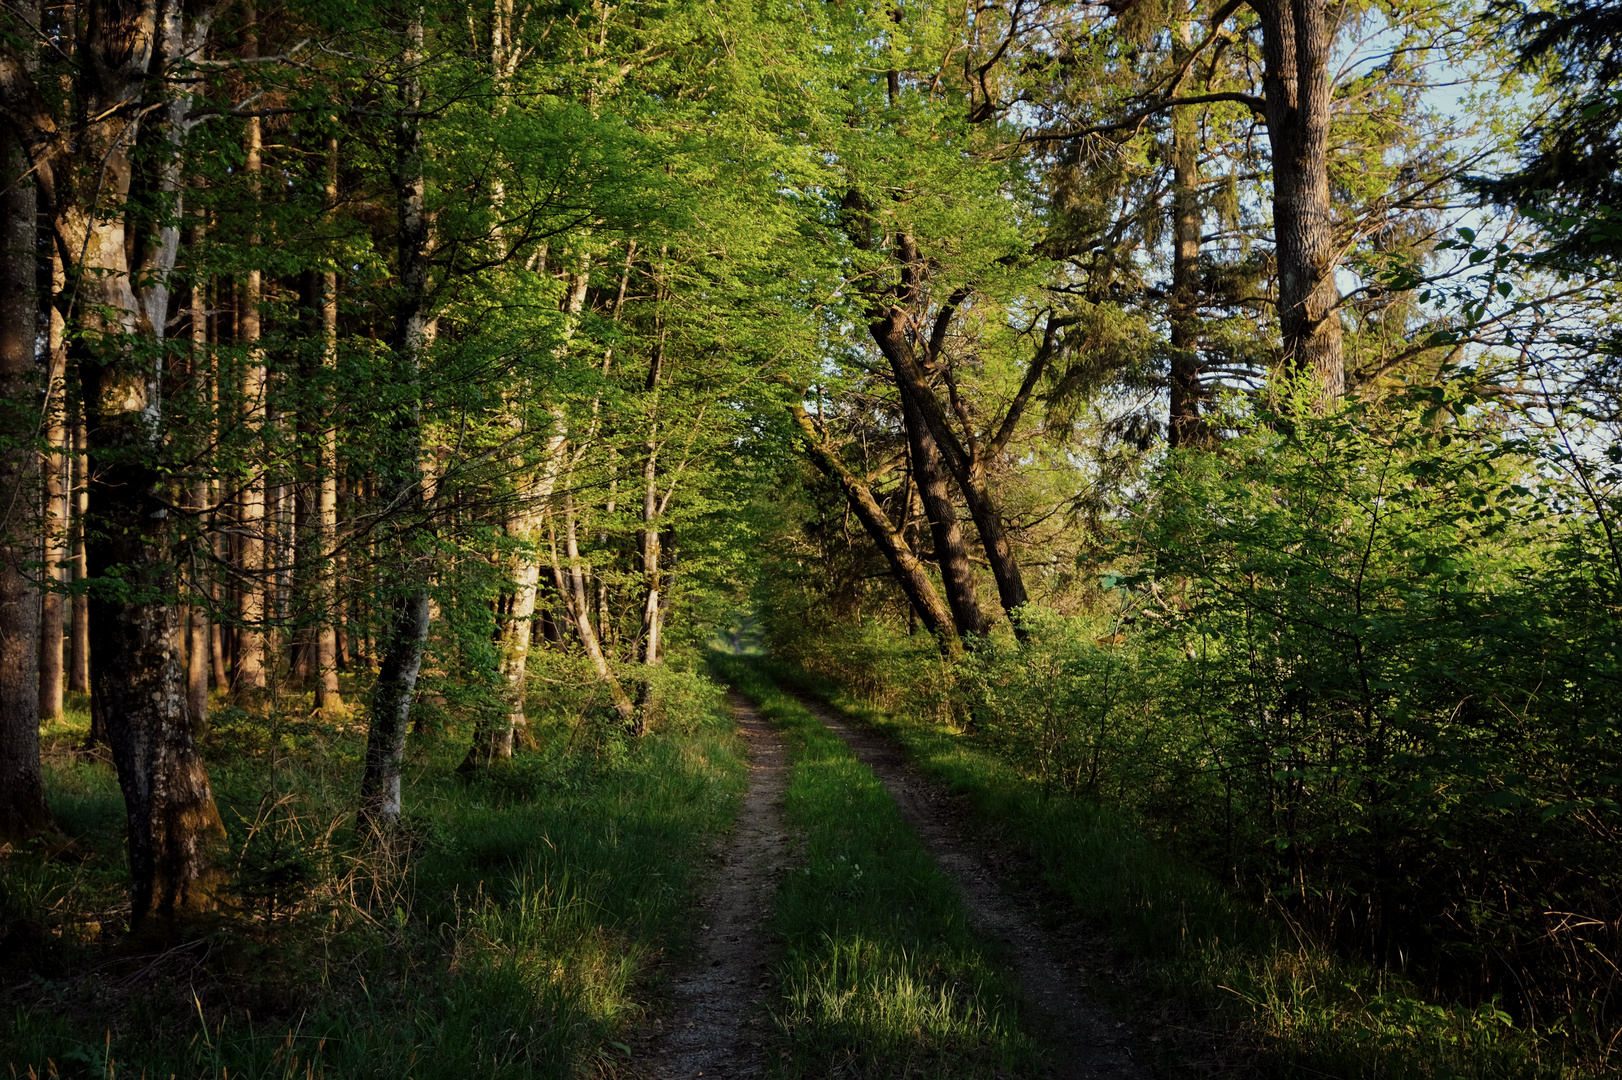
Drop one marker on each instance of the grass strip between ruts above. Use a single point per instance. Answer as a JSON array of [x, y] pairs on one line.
[[882, 975], [1288, 1007]]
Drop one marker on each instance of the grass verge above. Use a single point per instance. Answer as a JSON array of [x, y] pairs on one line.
[[1271, 1001], [516, 932], [882, 976]]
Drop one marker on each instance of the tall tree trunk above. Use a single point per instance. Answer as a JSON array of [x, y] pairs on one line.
[[651, 550], [517, 622], [572, 587], [326, 653], [1296, 49], [199, 639], [1183, 426], [515, 630], [23, 812], [53, 527], [79, 607], [647, 539], [929, 476], [966, 466], [249, 677], [123, 297], [412, 333]]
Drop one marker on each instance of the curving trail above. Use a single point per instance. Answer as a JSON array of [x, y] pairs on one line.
[[1089, 1045], [718, 1027]]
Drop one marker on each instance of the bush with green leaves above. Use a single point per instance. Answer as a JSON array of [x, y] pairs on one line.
[[1396, 667], [1071, 705]]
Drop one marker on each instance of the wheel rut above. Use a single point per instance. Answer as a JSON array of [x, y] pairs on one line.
[[1089, 1044], [718, 1026]]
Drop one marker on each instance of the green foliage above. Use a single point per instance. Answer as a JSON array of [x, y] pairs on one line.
[[1396, 662], [1215, 979]]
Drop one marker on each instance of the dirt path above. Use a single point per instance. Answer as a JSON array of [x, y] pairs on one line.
[[717, 1027], [1088, 1043]]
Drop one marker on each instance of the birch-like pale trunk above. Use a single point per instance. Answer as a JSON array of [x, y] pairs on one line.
[[326, 652], [79, 505], [250, 677], [53, 529], [412, 333], [516, 630], [572, 587]]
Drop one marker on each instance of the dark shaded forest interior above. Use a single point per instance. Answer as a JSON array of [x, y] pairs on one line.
[[1183, 440]]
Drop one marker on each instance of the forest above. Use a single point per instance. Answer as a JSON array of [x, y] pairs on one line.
[[1188, 431]]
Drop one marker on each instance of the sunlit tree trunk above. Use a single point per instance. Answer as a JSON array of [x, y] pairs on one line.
[[53, 527], [908, 569], [1296, 44], [967, 468], [571, 586], [649, 547], [249, 676], [199, 639], [79, 608], [951, 555], [326, 654], [516, 622]]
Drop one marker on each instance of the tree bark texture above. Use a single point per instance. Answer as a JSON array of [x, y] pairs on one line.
[[79, 621], [380, 795], [1296, 49], [326, 653], [23, 812], [966, 467], [517, 614], [53, 527], [198, 634], [127, 157], [951, 555], [249, 677], [572, 587], [1184, 427], [412, 333]]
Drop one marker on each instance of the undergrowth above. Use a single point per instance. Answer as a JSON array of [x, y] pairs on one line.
[[882, 976], [1260, 995], [514, 930]]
